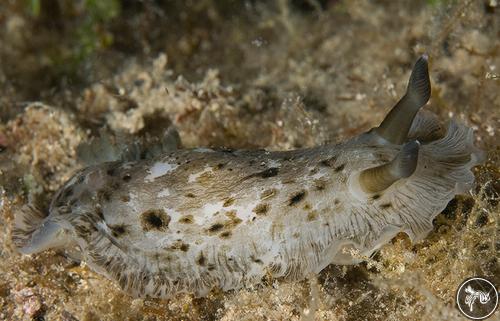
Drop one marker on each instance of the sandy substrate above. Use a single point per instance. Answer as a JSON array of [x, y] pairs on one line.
[[274, 76]]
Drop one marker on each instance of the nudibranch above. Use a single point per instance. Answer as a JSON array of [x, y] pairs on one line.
[[189, 220]]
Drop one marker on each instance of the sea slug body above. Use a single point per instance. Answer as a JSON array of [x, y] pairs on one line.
[[191, 220]]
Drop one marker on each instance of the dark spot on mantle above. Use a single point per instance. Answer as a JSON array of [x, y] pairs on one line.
[[385, 206], [319, 184], [256, 260], [201, 260], [155, 219], [187, 219], [269, 172], [261, 209], [313, 171], [330, 162], [228, 202], [100, 214], [339, 168], [179, 245], [118, 230], [225, 235], [312, 215], [296, 198], [215, 227]]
